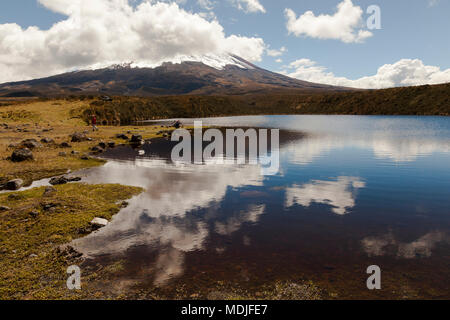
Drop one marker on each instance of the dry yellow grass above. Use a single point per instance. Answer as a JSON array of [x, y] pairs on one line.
[[64, 118]]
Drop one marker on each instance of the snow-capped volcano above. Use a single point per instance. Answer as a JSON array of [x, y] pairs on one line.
[[194, 75], [216, 61]]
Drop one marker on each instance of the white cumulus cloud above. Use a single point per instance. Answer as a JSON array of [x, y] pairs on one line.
[[275, 52], [345, 25], [405, 72], [105, 32], [249, 5]]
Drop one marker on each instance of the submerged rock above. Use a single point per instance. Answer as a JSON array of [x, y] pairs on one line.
[[20, 155], [63, 180], [58, 181], [136, 140]]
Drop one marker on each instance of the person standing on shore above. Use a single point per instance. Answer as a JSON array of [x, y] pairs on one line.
[[94, 123]]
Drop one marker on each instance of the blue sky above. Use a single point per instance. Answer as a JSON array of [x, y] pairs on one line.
[[411, 31]]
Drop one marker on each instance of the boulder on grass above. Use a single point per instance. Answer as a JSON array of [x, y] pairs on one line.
[[4, 208], [79, 137], [47, 140], [49, 191], [97, 149], [31, 144], [20, 155], [13, 185], [122, 136]]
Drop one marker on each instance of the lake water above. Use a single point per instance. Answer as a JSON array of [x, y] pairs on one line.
[[352, 191]]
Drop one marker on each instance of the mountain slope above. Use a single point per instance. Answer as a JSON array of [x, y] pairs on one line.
[[206, 75]]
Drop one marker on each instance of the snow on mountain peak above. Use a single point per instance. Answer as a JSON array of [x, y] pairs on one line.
[[216, 61]]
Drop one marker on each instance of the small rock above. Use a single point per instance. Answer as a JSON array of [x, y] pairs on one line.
[[47, 140], [111, 144], [13, 185], [58, 181], [79, 137], [124, 204], [97, 149], [99, 222], [122, 136], [75, 152], [84, 157], [20, 155], [34, 213], [4, 208], [62, 154], [13, 145], [49, 191], [102, 145], [69, 252], [74, 179], [49, 207], [65, 145], [14, 196], [137, 140], [31, 144], [33, 255]]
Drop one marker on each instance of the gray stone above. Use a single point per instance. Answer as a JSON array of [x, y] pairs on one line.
[[4, 208], [13, 145], [34, 213], [137, 140], [122, 136], [79, 137], [58, 181], [99, 222], [97, 149], [49, 190], [47, 140], [31, 144], [20, 155], [62, 154], [13, 185]]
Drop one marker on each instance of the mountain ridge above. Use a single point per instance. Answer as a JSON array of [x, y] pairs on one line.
[[206, 75]]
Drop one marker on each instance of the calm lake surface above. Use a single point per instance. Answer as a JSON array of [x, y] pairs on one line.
[[352, 191]]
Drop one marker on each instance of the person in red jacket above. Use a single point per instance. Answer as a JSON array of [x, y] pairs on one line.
[[94, 123]]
